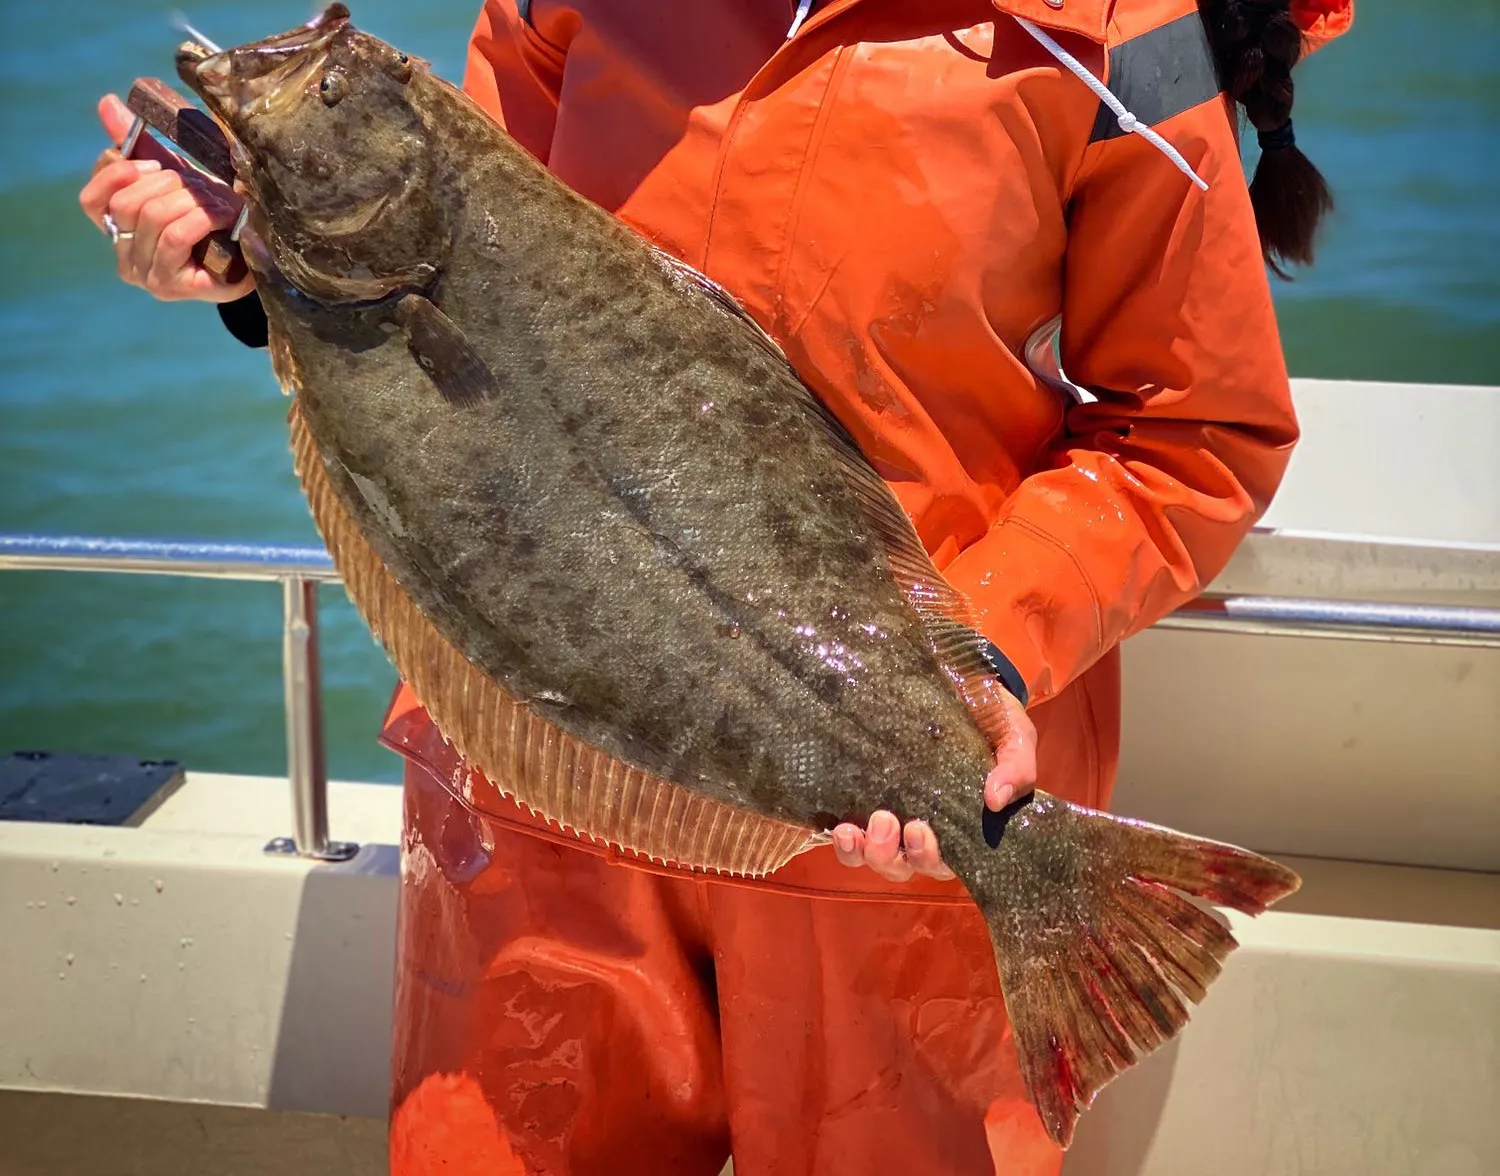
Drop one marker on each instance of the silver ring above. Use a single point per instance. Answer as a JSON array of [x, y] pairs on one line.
[[116, 234]]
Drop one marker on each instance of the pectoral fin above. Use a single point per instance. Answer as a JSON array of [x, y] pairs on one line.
[[444, 352]]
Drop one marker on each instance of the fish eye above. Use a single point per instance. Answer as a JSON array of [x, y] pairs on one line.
[[401, 70], [333, 87]]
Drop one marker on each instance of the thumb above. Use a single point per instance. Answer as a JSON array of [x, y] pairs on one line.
[[1014, 773], [118, 119]]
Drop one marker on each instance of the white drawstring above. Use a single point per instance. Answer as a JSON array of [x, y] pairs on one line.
[[1128, 122], [803, 8]]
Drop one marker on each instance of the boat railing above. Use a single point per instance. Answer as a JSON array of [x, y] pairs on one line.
[[299, 571]]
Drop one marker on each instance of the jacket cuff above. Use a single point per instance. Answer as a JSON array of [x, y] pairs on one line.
[[1006, 672], [1033, 602], [246, 320]]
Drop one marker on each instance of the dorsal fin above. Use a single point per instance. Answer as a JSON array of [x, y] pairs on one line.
[[948, 617], [687, 279]]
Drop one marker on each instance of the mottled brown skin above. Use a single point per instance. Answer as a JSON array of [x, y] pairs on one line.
[[611, 495], [633, 531]]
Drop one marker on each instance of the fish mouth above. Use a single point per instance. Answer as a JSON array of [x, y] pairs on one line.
[[191, 56], [234, 82]]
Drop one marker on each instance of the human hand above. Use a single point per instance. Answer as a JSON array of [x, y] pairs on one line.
[[162, 209], [899, 854]]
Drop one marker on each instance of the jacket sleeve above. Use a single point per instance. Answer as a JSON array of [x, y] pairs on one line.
[[1167, 319], [515, 72]]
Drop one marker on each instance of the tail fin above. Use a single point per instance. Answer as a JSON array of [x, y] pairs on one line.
[[1098, 955]]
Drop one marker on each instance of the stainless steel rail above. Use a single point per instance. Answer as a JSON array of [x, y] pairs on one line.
[[215, 561], [1292, 616], [300, 569]]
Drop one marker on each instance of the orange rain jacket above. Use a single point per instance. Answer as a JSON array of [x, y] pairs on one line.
[[909, 197]]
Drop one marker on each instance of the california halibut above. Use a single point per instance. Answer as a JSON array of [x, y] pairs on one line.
[[632, 567]]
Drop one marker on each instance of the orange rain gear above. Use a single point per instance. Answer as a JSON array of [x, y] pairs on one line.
[[904, 195]]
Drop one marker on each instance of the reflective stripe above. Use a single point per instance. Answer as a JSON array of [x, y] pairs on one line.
[[1128, 123], [1159, 74]]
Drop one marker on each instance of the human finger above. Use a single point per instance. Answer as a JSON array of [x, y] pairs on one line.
[[883, 848], [118, 119], [923, 852], [174, 272], [1014, 773], [109, 180], [139, 254], [849, 844], [125, 204]]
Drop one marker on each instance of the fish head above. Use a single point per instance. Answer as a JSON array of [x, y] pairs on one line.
[[334, 154]]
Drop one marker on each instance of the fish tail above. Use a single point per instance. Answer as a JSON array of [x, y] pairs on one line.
[[1099, 954]]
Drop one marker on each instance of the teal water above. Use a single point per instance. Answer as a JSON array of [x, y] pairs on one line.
[[122, 416]]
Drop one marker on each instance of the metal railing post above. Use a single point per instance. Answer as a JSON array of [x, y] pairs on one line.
[[306, 766]]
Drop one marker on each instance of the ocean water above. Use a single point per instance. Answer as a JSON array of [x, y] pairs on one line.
[[122, 416]]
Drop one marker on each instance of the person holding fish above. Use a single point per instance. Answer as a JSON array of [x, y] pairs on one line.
[[1011, 248]]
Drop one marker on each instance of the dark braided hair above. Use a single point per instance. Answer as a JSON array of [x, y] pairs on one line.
[[1255, 44]]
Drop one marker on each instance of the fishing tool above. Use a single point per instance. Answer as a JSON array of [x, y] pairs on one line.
[[193, 134]]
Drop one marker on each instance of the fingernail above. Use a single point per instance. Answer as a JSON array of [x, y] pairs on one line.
[[1003, 796], [916, 840], [844, 840], [147, 166]]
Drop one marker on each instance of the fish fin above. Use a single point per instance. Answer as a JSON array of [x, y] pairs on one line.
[[443, 351], [521, 755], [686, 277], [1099, 954], [284, 364], [948, 617], [949, 620]]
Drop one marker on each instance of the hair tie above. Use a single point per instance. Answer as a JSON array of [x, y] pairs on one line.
[[1277, 139]]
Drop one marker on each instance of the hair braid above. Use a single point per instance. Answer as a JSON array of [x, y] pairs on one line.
[[1255, 44]]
